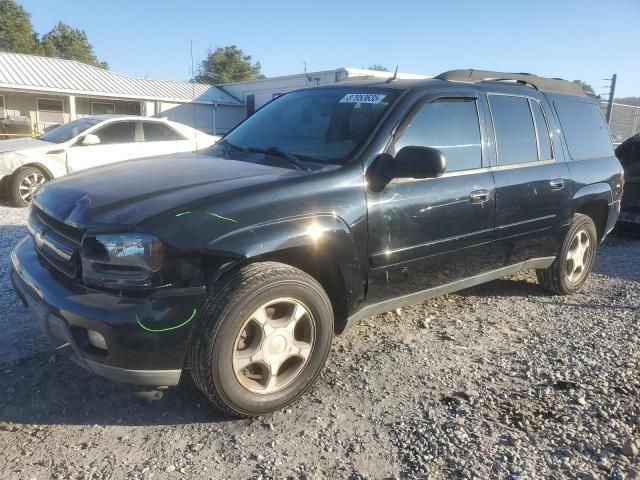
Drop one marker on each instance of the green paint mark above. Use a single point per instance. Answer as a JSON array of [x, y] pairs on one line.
[[386, 272], [157, 330], [221, 217], [209, 213]]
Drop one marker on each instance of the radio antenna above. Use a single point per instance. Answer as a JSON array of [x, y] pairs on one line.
[[395, 76]]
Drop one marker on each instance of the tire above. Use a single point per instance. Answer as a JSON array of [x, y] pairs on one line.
[[23, 184], [562, 277], [227, 328]]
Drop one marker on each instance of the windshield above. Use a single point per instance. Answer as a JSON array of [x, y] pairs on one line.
[[319, 125], [69, 130]]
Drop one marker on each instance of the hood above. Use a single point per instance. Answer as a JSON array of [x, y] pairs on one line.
[[15, 144], [128, 193]]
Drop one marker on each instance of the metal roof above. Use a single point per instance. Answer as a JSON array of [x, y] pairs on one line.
[[56, 75]]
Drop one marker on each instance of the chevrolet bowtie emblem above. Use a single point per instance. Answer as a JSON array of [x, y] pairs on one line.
[[39, 238]]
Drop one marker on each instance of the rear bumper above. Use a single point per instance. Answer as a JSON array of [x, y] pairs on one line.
[[612, 218], [67, 312]]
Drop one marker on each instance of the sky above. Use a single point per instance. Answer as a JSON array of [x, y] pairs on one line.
[[587, 40]]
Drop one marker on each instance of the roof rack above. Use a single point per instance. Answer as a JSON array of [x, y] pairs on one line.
[[555, 85]]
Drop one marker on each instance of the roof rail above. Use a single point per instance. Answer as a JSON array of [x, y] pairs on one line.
[[555, 85]]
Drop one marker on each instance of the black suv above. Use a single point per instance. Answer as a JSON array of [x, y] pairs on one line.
[[329, 204]]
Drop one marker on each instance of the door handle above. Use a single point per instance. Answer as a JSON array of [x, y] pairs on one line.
[[556, 184], [479, 196]]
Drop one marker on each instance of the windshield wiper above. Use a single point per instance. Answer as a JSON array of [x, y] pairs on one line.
[[231, 146], [276, 152]]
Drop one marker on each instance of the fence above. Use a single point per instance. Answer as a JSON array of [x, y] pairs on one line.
[[625, 122], [12, 127]]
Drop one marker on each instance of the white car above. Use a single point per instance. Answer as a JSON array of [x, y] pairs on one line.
[[26, 163]]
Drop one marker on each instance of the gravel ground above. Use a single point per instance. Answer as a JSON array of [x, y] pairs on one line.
[[499, 381], [23, 337]]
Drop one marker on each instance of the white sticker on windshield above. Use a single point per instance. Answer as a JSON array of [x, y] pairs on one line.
[[362, 98]]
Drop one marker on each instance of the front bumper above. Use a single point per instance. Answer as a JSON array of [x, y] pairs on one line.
[[146, 337]]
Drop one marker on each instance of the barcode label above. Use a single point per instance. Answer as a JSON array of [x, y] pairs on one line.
[[362, 98]]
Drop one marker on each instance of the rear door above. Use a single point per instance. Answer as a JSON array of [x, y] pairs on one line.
[[160, 139], [117, 143], [533, 185], [427, 232]]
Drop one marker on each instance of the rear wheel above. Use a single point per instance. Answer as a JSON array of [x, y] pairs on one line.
[[23, 185], [571, 268], [261, 340]]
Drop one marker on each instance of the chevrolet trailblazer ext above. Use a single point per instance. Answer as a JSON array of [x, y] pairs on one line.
[[328, 205]]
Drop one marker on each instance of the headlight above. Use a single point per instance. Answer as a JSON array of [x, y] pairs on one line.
[[121, 260]]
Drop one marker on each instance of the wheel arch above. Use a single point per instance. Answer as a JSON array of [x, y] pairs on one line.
[[593, 201], [320, 245], [45, 171]]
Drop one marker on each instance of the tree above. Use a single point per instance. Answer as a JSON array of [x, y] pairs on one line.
[[585, 86], [227, 64], [378, 67], [16, 30], [17, 36], [71, 44]]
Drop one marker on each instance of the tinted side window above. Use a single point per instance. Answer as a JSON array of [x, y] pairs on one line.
[[119, 132], [157, 132], [450, 125], [544, 140], [515, 135], [585, 130]]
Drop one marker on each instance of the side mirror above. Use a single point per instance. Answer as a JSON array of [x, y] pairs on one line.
[[409, 162], [90, 139]]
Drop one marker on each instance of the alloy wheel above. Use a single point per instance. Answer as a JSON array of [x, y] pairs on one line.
[[273, 346], [577, 260], [30, 185]]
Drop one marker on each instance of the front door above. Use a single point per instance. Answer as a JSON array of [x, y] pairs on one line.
[[425, 233], [117, 143]]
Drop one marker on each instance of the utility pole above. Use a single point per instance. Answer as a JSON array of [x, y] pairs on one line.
[[306, 64], [612, 91]]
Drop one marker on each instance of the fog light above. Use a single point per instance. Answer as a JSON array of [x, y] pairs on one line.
[[97, 340]]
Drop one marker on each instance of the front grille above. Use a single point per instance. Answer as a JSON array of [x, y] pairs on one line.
[[57, 243]]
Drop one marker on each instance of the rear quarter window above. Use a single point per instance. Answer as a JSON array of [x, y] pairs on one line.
[[584, 129]]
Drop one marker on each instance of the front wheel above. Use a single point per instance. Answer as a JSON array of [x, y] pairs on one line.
[[570, 270], [262, 338], [23, 185]]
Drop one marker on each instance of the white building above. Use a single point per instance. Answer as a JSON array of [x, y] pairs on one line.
[[50, 91], [255, 93]]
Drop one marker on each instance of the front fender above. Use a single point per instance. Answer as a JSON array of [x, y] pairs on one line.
[[53, 165], [326, 235]]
